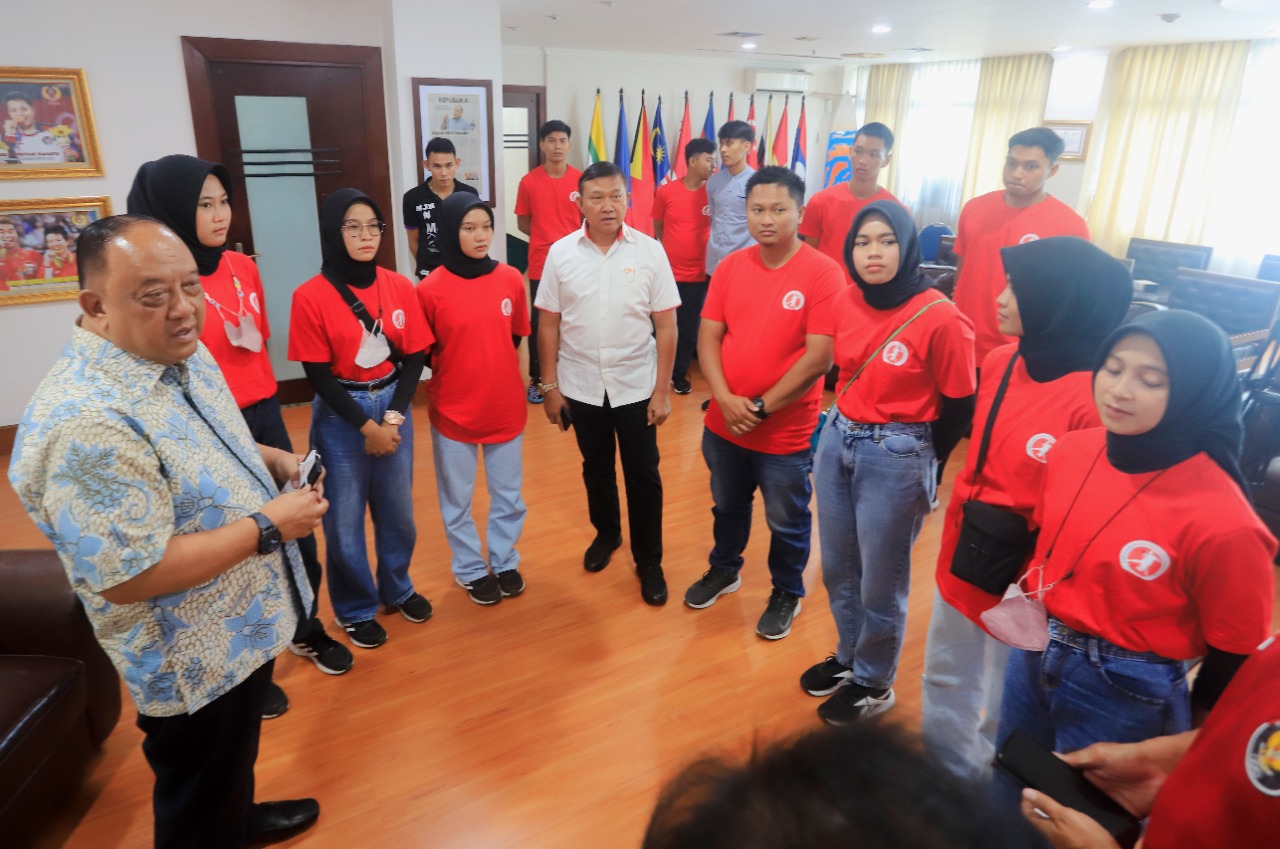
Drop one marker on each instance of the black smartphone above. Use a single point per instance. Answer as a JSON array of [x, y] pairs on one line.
[[566, 420], [1032, 765], [309, 470]]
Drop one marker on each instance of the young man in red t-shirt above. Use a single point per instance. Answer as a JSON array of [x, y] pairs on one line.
[[546, 211], [1022, 213], [682, 223], [829, 213], [765, 342], [16, 262]]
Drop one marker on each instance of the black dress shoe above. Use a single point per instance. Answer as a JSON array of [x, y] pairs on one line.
[[599, 553], [653, 585], [276, 702], [271, 822]]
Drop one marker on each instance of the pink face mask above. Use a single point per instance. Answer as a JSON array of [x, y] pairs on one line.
[[1020, 619]]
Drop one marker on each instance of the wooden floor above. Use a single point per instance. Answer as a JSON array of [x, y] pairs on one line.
[[547, 721]]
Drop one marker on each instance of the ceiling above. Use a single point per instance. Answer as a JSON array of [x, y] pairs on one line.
[[815, 34]]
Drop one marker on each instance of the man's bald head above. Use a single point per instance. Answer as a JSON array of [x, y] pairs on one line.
[[95, 241]]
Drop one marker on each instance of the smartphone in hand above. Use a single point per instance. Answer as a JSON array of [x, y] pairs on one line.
[[566, 420], [309, 471]]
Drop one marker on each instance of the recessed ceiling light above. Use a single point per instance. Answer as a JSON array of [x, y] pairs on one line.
[[1101, 4], [748, 45], [1062, 48], [880, 29]]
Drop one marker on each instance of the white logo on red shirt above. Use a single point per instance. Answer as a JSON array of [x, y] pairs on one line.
[[397, 318], [573, 197], [1145, 559], [506, 306], [1030, 237], [706, 210], [793, 300], [1038, 447], [253, 302], [895, 353], [1262, 758]]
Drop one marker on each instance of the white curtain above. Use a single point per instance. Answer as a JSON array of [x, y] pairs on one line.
[[1243, 223], [931, 156]]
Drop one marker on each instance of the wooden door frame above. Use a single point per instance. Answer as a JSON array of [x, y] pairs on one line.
[[541, 118]]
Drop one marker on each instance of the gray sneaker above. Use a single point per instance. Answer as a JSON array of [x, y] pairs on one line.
[[713, 584], [775, 622]]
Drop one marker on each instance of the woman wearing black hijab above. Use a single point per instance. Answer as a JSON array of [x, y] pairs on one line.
[[359, 333], [1064, 298], [1149, 553], [192, 198], [475, 307], [905, 391]]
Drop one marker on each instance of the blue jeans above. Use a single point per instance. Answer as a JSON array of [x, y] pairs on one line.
[[875, 486], [353, 481], [1082, 690], [456, 482], [783, 481]]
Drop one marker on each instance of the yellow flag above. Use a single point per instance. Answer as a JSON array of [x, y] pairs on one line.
[[595, 141]]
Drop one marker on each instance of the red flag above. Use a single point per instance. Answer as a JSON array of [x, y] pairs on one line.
[[780, 138], [730, 118], [680, 164], [639, 216], [752, 162]]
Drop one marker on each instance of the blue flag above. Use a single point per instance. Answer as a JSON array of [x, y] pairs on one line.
[[622, 144], [658, 148], [709, 125]]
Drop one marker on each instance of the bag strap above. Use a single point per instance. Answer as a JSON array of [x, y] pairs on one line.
[[362, 315], [991, 417], [885, 343]]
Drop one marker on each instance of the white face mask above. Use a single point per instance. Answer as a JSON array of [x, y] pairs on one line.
[[246, 335], [373, 346]]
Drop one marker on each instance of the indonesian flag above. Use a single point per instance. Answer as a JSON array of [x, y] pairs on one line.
[[780, 138], [680, 166]]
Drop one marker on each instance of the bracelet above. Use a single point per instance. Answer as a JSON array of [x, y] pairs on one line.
[[544, 388], [393, 418]]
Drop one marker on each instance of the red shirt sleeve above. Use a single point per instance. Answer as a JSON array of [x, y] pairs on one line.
[[811, 224], [522, 197], [1233, 584], [820, 318], [308, 343], [713, 306], [951, 355], [659, 210], [520, 325]]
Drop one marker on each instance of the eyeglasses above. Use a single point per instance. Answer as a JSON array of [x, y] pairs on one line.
[[353, 229]]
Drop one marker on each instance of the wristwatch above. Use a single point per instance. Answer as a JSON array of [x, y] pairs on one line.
[[268, 534], [758, 403], [544, 388], [393, 418]]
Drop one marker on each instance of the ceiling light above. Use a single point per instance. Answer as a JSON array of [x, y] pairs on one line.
[[880, 29], [1101, 4], [748, 45], [1062, 48]]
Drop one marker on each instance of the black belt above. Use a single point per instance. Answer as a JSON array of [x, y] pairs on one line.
[[372, 385]]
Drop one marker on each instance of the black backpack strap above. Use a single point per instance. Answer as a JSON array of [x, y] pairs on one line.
[[362, 314], [991, 417]]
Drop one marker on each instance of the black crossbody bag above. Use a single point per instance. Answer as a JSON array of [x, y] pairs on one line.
[[362, 315], [995, 542]]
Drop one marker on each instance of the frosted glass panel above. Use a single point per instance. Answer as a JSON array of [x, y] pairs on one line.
[[286, 226], [516, 127]]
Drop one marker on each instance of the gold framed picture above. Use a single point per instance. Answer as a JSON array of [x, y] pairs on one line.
[[38, 247], [47, 128], [1074, 135]]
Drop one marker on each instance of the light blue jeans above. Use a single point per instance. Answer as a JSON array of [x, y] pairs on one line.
[[962, 688], [353, 482], [456, 482], [875, 485]]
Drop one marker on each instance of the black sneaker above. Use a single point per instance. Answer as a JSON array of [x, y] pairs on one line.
[[510, 583], [484, 590], [855, 703], [653, 585], [775, 622], [713, 584], [276, 702], [826, 677], [681, 386], [330, 656], [365, 635], [415, 608]]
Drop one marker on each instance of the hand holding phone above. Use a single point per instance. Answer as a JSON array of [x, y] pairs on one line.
[[566, 420], [309, 471]]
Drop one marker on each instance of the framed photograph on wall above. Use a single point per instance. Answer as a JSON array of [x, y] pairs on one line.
[[47, 125], [38, 247], [462, 112], [1074, 134]]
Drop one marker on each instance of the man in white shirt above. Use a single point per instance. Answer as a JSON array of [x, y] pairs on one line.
[[607, 341]]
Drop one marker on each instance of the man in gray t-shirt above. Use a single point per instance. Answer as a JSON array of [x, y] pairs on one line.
[[727, 194]]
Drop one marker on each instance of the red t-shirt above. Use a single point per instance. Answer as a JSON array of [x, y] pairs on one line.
[[323, 329], [1225, 792], [1032, 417], [905, 382], [1184, 566], [20, 264], [828, 217], [248, 374], [552, 206], [686, 226], [54, 267], [476, 391], [988, 224], [767, 313]]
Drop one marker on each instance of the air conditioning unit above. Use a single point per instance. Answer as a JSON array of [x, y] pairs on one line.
[[795, 83]]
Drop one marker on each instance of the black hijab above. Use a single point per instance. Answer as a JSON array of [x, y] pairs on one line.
[[1071, 295], [1204, 397], [168, 190], [909, 281], [448, 236], [336, 262]]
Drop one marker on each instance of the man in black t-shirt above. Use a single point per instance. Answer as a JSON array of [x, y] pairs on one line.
[[420, 202]]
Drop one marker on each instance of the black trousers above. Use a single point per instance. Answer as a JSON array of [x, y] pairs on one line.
[[535, 364], [598, 430], [203, 763], [688, 318], [267, 426]]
